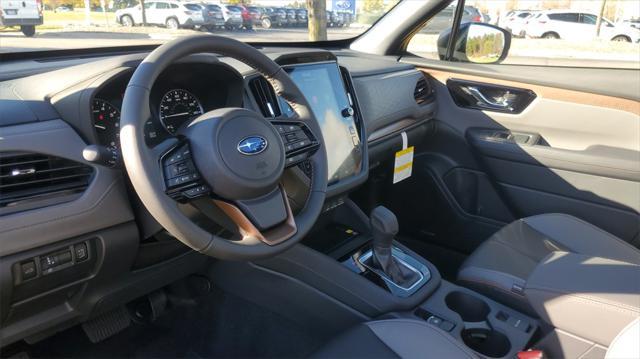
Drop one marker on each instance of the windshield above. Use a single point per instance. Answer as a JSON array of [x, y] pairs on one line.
[[39, 25]]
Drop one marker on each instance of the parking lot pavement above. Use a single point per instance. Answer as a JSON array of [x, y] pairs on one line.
[[100, 37]]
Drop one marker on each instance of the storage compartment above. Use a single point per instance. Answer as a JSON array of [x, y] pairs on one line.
[[470, 308], [486, 341]]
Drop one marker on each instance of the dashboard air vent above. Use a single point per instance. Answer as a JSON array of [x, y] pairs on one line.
[[265, 97], [31, 177], [423, 92]]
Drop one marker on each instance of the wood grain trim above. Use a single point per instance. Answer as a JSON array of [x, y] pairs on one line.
[[551, 93], [272, 236]]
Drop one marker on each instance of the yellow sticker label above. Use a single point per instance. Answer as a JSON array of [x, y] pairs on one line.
[[403, 165]]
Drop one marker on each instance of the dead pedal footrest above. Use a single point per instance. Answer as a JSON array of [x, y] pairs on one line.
[[107, 324]]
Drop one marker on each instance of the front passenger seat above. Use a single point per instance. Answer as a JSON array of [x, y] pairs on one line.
[[501, 265]]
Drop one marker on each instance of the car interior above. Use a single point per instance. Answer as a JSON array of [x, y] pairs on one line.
[[339, 199]]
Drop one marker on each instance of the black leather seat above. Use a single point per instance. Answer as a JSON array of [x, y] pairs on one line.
[[395, 338], [500, 267]]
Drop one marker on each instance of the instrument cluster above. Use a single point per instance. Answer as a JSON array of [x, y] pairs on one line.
[[180, 94]]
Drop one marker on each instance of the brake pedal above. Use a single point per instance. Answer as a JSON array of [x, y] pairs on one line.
[[107, 324]]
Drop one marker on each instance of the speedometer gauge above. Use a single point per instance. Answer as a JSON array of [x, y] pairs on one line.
[[106, 121], [178, 107]]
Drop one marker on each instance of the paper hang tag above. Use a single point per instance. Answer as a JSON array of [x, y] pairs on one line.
[[404, 161]]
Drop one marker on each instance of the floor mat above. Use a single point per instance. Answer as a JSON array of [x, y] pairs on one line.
[[217, 325], [446, 260]]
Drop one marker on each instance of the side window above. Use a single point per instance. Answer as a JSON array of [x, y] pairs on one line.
[[148, 5], [162, 5], [543, 33], [567, 17], [588, 19], [425, 42], [174, 6]]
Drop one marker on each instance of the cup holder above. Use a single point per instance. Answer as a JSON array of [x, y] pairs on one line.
[[470, 308], [486, 341]]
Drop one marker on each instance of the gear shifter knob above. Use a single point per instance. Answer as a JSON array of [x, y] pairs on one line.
[[384, 227]]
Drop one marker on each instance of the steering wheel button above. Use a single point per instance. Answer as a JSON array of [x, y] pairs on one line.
[[196, 191], [172, 182], [290, 137]]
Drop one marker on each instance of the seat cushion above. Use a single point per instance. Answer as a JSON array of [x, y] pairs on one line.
[[395, 338], [500, 267]]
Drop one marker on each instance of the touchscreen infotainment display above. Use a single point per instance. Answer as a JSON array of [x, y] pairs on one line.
[[323, 87]]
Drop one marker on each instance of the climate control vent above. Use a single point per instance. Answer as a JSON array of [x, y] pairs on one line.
[[31, 178], [423, 92], [265, 96]]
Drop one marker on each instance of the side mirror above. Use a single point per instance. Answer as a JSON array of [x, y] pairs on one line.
[[476, 42]]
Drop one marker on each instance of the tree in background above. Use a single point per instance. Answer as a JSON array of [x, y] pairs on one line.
[[297, 5], [600, 13], [512, 5], [373, 6], [556, 4], [144, 13], [317, 10]]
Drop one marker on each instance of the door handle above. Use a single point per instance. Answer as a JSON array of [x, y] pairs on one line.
[[489, 97], [501, 103]]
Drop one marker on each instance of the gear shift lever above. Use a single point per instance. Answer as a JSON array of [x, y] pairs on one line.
[[384, 227]]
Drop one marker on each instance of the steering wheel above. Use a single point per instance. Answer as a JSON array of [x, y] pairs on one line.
[[232, 156]]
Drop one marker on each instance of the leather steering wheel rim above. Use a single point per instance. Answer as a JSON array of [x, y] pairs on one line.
[[145, 170]]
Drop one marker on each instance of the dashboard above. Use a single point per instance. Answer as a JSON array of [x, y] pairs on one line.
[[52, 115], [185, 91]]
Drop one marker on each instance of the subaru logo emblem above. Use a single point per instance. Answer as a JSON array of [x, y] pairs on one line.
[[252, 145]]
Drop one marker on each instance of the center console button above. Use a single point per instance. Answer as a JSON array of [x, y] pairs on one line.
[[434, 320], [64, 257], [447, 326], [81, 252], [48, 262], [28, 270]]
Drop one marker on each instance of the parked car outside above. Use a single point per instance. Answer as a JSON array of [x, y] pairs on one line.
[[213, 18], [578, 26], [63, 8], [334, 19], [519, 24], [302, 17], [444, 19], [291, 17], [632, 22], [351, 17], [257, 13], [247, 20], [232, 17], [24, 13], [171, 14], [274, 17], [512, 17]]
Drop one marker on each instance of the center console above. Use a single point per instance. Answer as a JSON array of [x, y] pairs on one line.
[[487, 327], [350, 268]]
